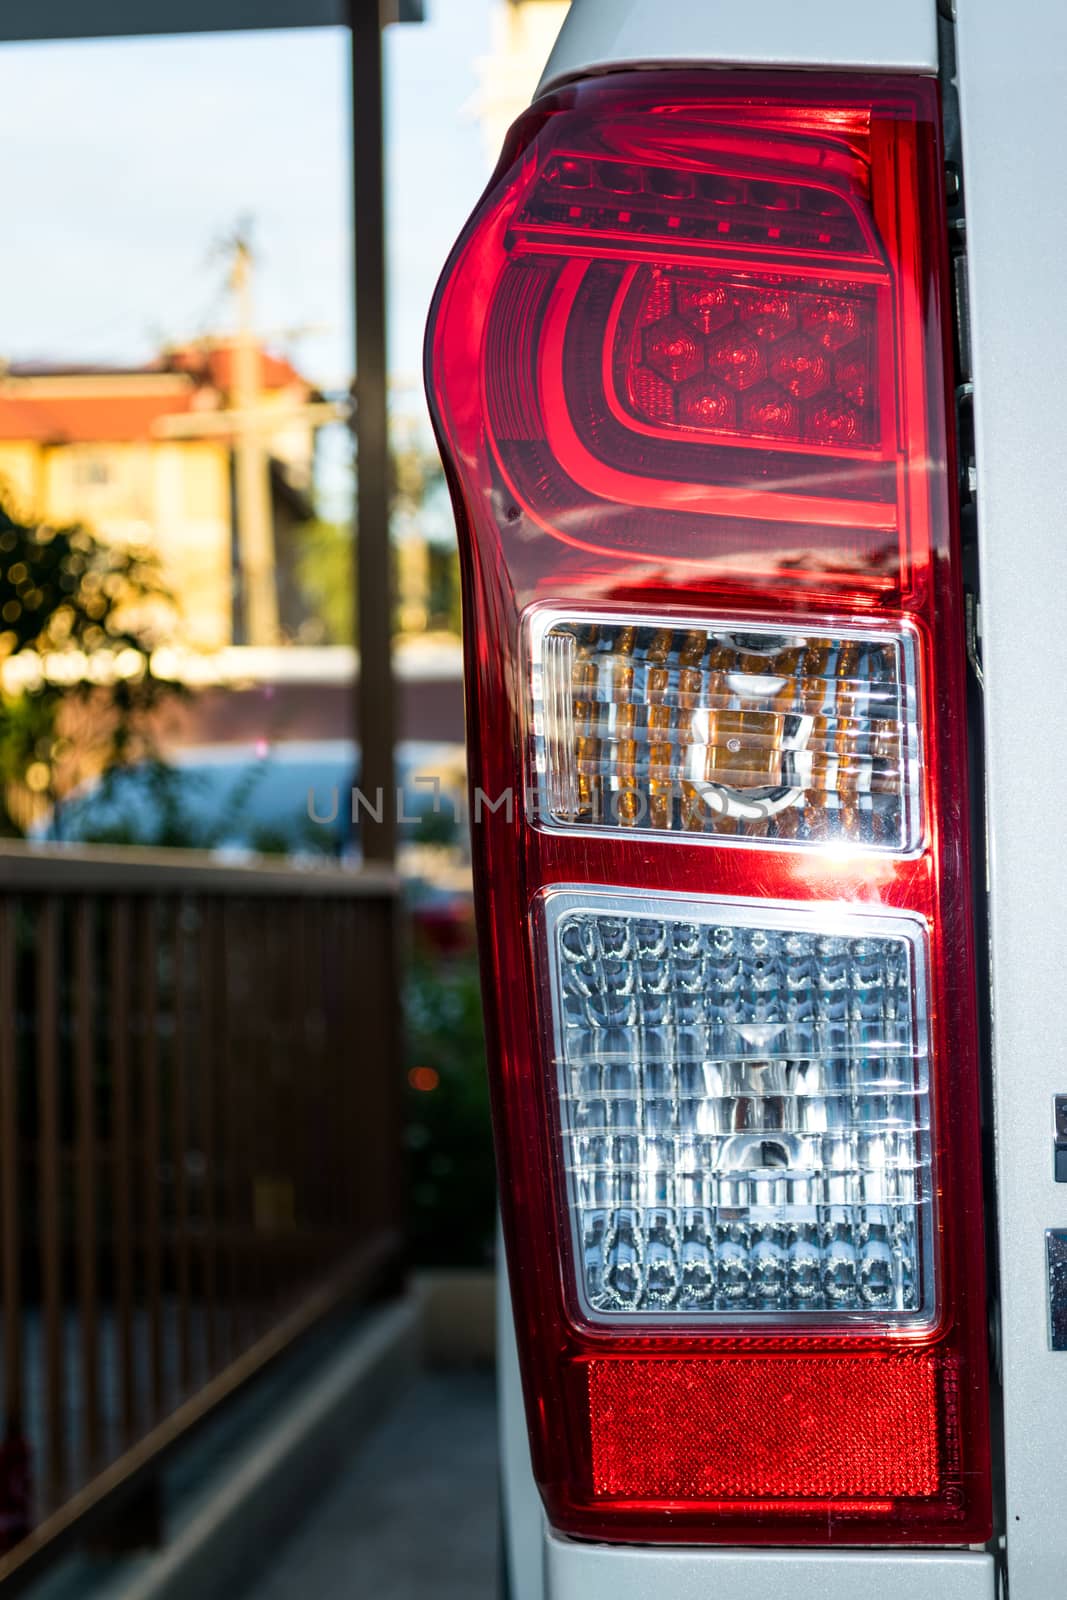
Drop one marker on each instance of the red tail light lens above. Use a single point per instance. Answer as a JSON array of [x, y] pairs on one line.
[[687, 369]]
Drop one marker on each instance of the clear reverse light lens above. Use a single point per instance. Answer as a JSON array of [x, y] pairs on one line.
[[732, 731], [744, 1103]]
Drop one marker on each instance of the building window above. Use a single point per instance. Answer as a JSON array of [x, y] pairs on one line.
[[91, 471]]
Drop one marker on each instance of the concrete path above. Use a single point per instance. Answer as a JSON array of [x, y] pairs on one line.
[[414, 1515]]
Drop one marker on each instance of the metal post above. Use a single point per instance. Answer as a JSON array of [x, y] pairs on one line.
[[374, 690], [86, 998], [50, 1226], [10, 1198]]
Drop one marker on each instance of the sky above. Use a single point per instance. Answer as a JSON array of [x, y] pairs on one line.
[[129, 162]]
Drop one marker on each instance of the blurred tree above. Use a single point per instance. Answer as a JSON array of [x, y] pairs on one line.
[[78, 622], [445, 589], [325, 562], [325, 569], [416, 470], [452, 1177]]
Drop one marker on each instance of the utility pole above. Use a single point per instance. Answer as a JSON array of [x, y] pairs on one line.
[[255, 521], [249, 427]]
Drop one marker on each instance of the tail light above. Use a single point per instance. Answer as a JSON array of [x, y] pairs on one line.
[[687, 366]]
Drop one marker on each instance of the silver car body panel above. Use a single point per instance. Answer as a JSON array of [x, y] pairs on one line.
[[1013, 107], [524, 1527], [576, 1571], [602, 34]]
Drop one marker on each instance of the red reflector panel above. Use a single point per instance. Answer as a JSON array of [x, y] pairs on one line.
[[831, 1429]]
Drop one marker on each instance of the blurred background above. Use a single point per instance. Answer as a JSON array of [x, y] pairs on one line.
[[247, 1216]]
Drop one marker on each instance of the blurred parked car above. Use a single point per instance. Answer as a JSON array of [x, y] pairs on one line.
[[293, 799]]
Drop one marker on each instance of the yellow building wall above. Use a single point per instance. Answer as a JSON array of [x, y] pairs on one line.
[[171, 496], [522, 34], [412, 584], [192, 522], [107, 486], [19, 476]]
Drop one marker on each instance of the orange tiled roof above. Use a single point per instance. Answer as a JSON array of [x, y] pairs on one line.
[[213, 363], [85, 418], [54, 404]]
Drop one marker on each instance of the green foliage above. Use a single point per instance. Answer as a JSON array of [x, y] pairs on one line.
[[324, 556], [65, 594], [61, 588], [444, 602], [325, 571], [450, 1148], [415, 471], [437, 827]]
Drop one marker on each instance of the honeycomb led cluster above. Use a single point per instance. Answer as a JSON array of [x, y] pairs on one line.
[[750, 355]]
